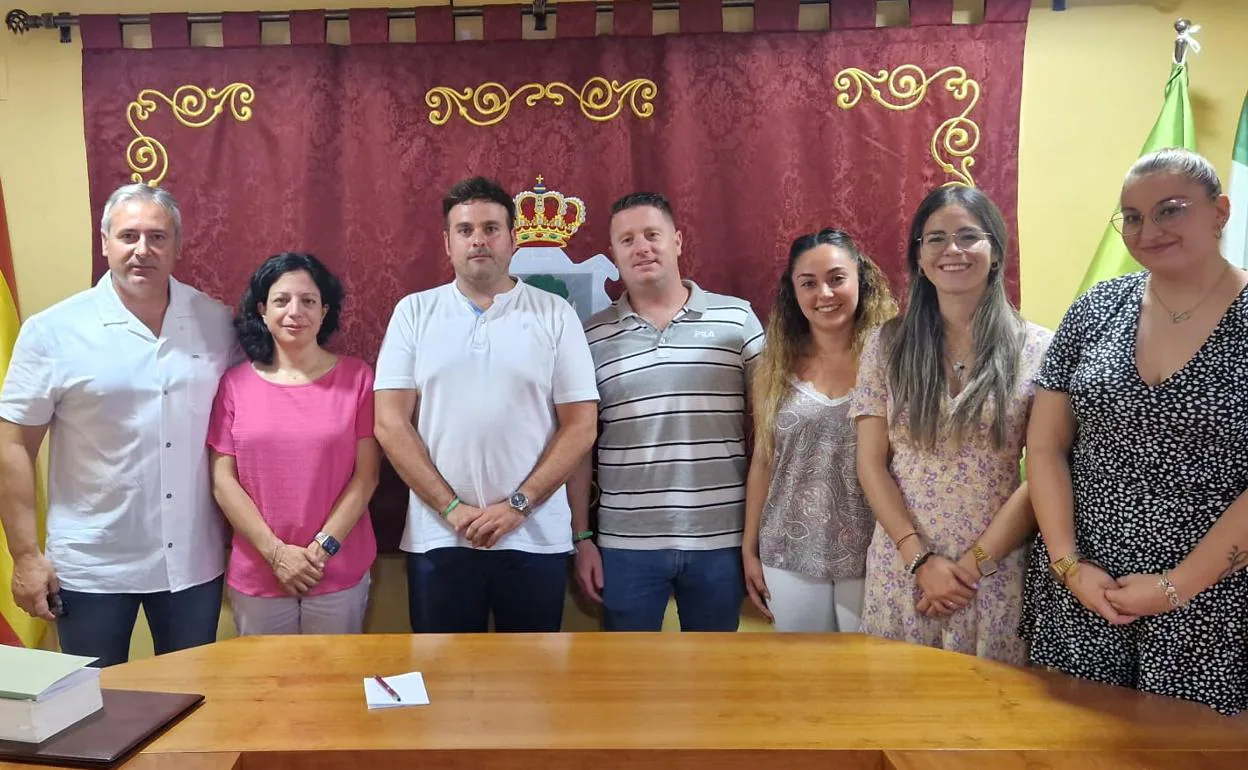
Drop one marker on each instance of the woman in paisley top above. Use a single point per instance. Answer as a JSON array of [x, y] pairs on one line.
[[942, 401], [807, 525], [1138, 457]]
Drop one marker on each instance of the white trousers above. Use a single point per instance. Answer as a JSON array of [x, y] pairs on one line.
[[803, 603], [340, 612]]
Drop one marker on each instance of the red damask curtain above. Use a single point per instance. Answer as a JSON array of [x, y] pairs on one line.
[[345, 151]]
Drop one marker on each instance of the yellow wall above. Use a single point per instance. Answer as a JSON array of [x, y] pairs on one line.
[[1091, 89], [1092, 86]]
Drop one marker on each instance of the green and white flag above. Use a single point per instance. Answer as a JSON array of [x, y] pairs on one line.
[[1235, 236], [1174, 128]]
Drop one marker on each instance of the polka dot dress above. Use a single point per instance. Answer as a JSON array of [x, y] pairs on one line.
[[1153, 468]]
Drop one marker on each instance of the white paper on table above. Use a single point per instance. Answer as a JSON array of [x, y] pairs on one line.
[[410, 687]]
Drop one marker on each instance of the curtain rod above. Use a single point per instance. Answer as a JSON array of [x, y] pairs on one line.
[[19, 21]]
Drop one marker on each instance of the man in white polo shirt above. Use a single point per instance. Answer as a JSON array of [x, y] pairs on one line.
[[673, 367], [121, 377], [485, 402]]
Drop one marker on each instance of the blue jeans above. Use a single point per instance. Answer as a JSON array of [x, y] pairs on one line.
[[454, 590], [100, 625], [709, 588]]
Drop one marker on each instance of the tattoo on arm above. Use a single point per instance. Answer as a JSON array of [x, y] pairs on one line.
[[1237, 560]]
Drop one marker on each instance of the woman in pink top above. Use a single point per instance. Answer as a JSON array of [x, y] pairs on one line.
[[294, 461]]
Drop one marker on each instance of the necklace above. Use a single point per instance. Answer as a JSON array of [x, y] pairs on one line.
[[958, 362], [301, 376], [1178, 318]]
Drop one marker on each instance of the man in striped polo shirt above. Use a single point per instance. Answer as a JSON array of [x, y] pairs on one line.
[[672, 363]]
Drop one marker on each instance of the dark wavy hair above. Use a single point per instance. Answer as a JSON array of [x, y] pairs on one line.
[[253, 334]]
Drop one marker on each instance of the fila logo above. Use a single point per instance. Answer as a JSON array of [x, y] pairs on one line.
[[704, 334]]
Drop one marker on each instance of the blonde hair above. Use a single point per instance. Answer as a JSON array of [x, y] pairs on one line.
[[788, 331], [1177, 160]]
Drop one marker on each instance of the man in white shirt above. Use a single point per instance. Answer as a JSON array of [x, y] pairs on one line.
[[121, 378], [485, 403]]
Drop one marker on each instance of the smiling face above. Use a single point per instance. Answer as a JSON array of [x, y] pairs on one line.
[[825, 283], [1170, 223], [293, 311], [646, 246], [956, 251]]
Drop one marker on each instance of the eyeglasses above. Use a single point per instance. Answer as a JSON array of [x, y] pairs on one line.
[[963, 239], [1165, 214]]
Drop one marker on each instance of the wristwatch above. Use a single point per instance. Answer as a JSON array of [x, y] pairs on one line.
[[520, 502], [1065, 566], [986, 564], [327, 542]]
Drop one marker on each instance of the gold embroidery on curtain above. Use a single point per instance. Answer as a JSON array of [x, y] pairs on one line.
[[193, 107], [956, 139], [489, 103]]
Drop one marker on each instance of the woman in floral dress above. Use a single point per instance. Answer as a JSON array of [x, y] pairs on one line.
[[938, 458]]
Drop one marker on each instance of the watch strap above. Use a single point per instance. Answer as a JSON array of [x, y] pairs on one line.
[[986, 565], [519, 501], [1065, 565], [327, 542]]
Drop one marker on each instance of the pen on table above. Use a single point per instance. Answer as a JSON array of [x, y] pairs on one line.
[[387, 688]]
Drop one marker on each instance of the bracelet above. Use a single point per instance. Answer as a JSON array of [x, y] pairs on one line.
[[919, 561], [1172, 593], [905, 538], [579, 536], [450, 507], [273, 556], [1066, 566]]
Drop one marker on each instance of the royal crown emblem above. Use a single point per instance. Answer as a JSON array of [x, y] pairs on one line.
[[547, 217]]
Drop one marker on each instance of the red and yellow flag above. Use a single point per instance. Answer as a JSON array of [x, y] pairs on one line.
[[16, 627]]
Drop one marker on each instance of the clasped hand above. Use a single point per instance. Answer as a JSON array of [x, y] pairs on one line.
[[484, 527], [298, 569], [945, 586], [1119, 601]]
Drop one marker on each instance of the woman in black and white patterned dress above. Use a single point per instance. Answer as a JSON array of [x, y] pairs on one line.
[[1138, 457]]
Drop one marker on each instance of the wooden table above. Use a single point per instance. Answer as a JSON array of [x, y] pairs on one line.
[[598, 701]]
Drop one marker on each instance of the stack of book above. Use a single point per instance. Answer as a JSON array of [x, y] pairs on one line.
[[43, 693]]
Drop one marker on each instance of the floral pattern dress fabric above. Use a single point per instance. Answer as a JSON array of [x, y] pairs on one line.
[[951, 493]]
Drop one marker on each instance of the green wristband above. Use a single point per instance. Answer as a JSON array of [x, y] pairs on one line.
[[579, 536], [450, 507]]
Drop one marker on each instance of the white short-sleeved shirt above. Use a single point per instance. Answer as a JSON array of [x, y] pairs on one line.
[[488, 385], [130, 506]]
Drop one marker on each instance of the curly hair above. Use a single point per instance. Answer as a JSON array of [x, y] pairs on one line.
[[788, 331], [253, 333]]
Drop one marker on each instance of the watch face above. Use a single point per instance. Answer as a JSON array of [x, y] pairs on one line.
[[519, 501], [987, 567]]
